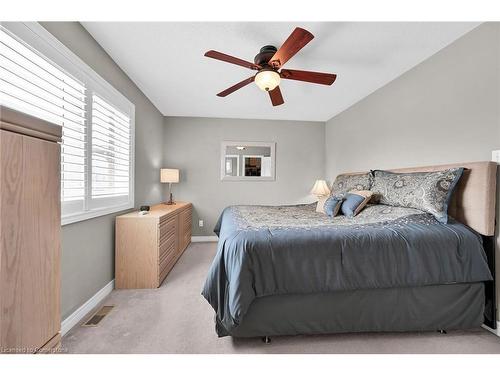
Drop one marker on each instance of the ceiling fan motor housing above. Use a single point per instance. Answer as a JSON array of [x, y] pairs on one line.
[[265, 54]]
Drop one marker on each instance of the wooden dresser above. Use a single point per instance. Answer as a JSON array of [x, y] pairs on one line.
[[30, 232], [147, 246]]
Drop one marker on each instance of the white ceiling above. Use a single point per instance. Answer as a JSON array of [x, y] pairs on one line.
[[166, 62]]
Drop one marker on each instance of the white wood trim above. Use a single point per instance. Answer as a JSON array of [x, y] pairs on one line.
[[75, 218], [237, 163], [204, 239], [494, 331], [80, 313]]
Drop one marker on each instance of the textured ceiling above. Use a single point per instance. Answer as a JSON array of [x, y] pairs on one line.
[[166, 61]]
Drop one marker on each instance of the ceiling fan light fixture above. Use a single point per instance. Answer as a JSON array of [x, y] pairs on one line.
[[267, 80]]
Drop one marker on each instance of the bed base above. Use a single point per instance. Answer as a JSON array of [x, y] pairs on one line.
[[267, 339], [490, 308], [429, 308]]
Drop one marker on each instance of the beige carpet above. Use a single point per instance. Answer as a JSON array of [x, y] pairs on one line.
[[176, 319]]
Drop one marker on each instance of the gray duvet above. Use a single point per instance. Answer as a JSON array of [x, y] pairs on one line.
[[266, 251]]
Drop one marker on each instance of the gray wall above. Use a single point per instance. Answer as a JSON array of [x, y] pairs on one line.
[[447, 109], [193, 145], [88, 246]]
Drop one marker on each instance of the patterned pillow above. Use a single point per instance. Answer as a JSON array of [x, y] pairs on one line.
[[427, 191], [347, 182], [332, 205], [355, 201]]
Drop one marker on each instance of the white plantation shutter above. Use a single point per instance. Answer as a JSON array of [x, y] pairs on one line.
[[31, 84], [110, 150], [97, 158]]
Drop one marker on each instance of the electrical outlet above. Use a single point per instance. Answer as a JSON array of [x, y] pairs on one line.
[[495, 156], [200, 223]]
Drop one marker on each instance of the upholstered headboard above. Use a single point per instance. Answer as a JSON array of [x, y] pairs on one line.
[[473, 202]]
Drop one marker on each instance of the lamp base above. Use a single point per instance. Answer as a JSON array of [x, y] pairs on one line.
[[170, 201]]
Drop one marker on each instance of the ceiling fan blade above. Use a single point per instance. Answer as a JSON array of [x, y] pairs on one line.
[[295, 42], [276, 97], [231, 59], [238, 86], [312, 77]]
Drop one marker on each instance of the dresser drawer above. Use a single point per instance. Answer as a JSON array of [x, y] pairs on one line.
[[168, 217], [166, 263], [186, 218], [167, 246], [167, 228], [185, 240], [165, 270], [166, 257]]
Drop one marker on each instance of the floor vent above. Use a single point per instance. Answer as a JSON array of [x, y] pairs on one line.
[[98, 316]]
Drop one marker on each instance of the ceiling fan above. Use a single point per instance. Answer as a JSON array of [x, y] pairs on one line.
[[268, 63]]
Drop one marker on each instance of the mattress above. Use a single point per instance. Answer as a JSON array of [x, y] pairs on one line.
[[292, 250]]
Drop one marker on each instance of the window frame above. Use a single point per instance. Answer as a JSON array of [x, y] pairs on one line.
[[36, 36]]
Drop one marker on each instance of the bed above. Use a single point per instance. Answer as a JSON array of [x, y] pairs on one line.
[[290, 270]]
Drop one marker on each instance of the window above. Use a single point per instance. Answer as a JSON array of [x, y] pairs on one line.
[[97, 159], [110, 151]]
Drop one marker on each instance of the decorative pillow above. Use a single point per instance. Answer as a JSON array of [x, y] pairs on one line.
[[427, 191], [355, 201], [347, 182], [332, 205]]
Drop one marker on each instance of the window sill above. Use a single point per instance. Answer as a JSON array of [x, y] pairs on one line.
[[71, 219]]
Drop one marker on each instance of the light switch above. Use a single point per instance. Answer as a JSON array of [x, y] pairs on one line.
[[200, 223], [495, 156]]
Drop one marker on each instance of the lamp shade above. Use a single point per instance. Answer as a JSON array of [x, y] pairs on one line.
[[320, 188], [169, 175]]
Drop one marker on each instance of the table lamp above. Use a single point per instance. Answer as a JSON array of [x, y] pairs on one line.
[[169, 176], [320, 188]]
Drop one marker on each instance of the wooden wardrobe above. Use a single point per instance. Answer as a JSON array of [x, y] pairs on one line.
[[30, 226]]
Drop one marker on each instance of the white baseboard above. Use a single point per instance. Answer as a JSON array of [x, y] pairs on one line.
[[494, 331], [86, 308], [204, 239]]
